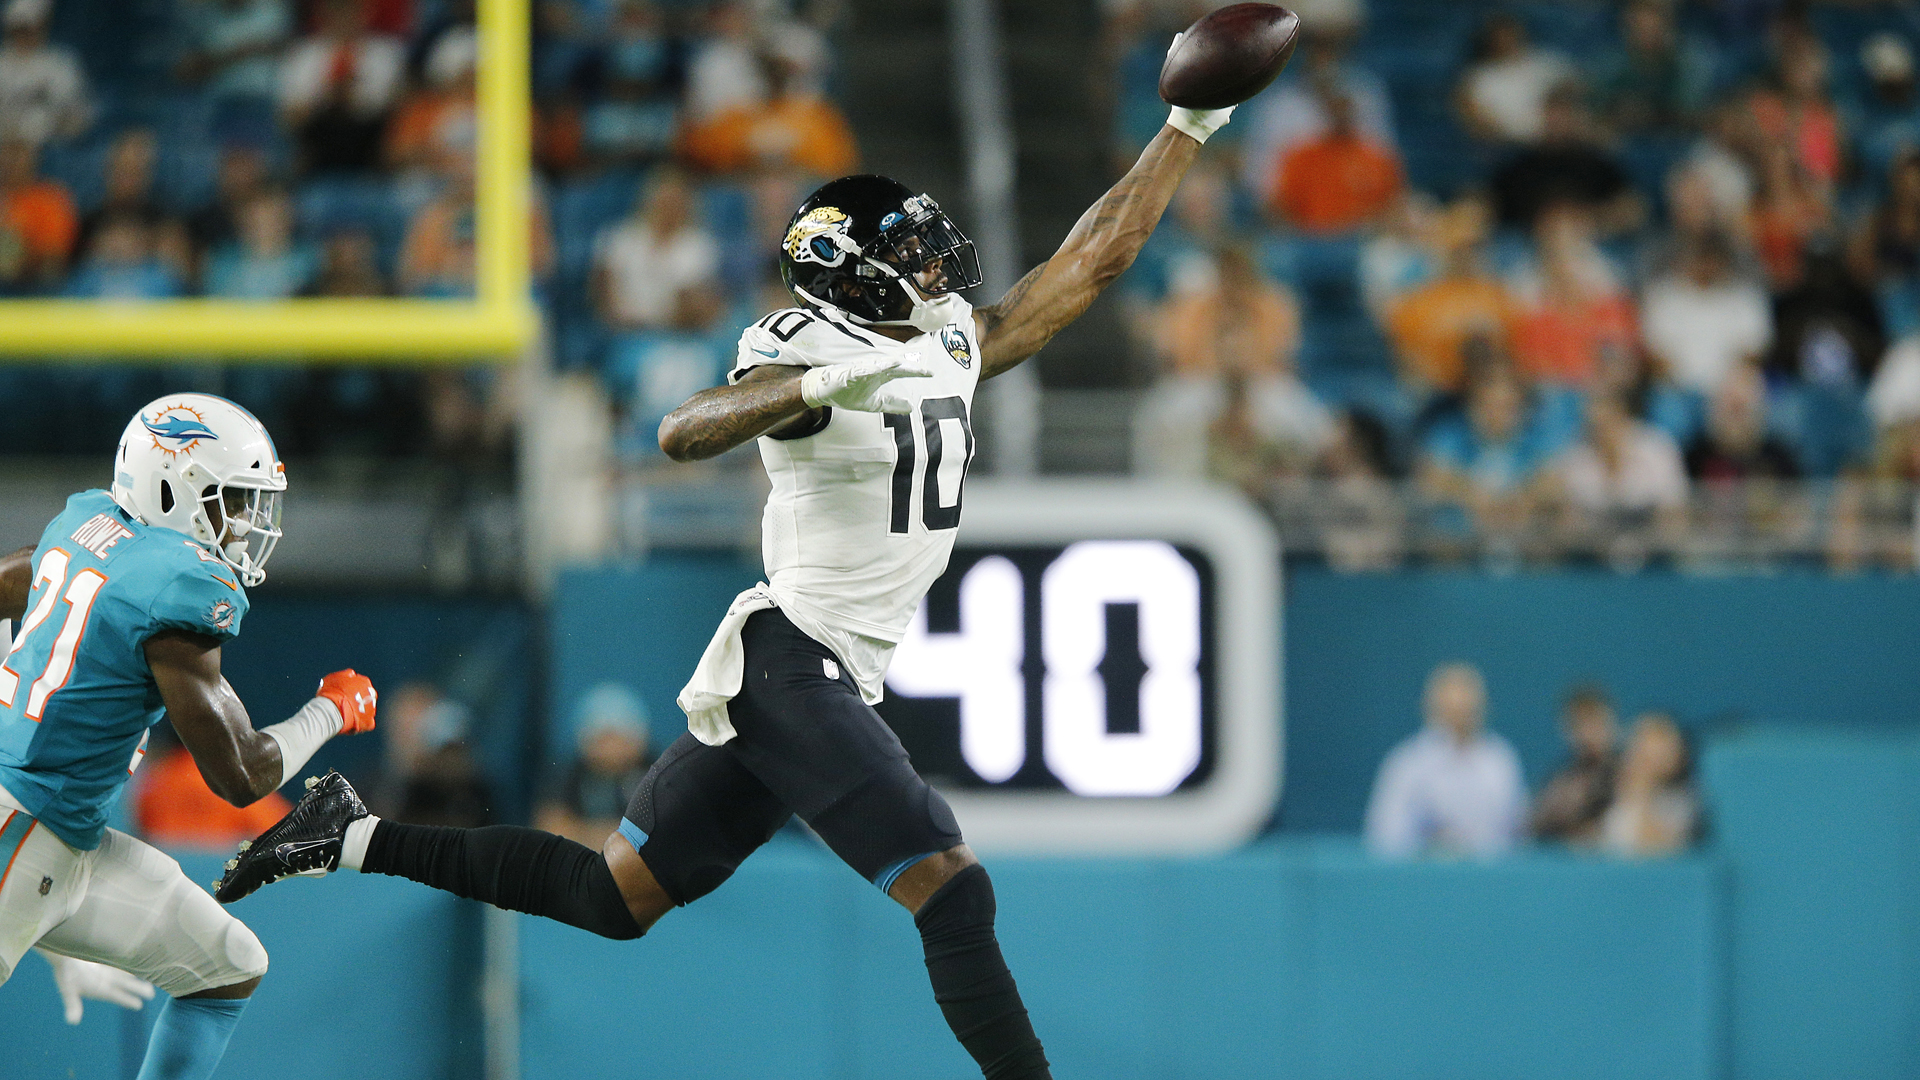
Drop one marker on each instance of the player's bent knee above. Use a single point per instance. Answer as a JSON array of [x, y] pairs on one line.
[[245, 954], [212, 950], [646, 899]]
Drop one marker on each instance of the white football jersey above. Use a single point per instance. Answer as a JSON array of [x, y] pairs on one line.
[[864, 511]]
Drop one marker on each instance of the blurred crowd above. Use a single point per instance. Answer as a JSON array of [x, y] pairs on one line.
[[1627, 280], [429, 772], [265, 149], [1455, 788], [1511, 281]]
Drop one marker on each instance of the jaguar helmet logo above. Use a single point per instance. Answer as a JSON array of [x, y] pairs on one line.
[[820, 236], [956, 345], [177, 429]]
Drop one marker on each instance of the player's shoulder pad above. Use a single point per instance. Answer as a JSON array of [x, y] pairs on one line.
[[201, 594], [800, 337], [90, 502]]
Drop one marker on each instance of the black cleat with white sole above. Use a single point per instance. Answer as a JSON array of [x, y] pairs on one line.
[[304, 843]]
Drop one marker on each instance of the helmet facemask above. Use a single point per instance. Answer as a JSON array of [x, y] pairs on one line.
[[927, 257], [900, 276], [244, 523]]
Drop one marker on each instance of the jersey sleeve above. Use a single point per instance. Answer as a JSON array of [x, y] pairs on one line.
[[797, 337], [202, 601]]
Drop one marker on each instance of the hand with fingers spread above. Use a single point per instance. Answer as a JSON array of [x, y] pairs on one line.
[[78, 980], [863, 386]]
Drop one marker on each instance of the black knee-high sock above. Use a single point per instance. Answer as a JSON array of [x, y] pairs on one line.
[[971, 981], [509, 867]]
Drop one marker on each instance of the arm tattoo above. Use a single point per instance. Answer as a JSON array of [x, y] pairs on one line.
[[715, 421], [995, 315], [1099, 248]]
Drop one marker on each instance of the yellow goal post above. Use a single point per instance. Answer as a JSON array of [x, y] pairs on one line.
[[496, 323]]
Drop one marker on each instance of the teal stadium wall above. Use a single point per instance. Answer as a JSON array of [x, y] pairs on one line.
[[1784, 951], [1717, 651]]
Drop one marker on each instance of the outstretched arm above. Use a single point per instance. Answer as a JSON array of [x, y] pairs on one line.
[[16, 581], [1099, 249]]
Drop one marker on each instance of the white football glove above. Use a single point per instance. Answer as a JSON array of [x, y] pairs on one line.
[[1198, 123], [862, 386], [81, 979]]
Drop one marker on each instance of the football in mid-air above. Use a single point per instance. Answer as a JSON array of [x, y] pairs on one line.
[[1229, 56]]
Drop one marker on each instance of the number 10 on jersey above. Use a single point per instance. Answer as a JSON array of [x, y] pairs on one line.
[[937, 417]]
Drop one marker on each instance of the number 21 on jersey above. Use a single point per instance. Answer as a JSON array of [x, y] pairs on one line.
[[79, 598], [936, 512]]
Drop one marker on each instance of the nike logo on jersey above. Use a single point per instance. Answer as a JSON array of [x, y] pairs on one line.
[[205, 556], [768, 352]]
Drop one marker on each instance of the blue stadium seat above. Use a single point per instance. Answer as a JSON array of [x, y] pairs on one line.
[[333, 203], [1827, 426]]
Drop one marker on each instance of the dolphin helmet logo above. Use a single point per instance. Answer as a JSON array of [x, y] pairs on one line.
[[178, 425]]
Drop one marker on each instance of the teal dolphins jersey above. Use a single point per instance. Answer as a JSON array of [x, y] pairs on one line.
[[76, 696]]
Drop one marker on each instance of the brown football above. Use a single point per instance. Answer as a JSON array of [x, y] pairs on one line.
[[1229, 56]]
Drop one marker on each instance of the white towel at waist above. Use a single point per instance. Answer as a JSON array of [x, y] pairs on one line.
[[716, 679]]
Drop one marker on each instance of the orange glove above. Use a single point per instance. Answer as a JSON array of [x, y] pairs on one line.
[[355, 695]]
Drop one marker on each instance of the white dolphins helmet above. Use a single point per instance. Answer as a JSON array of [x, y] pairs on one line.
[[203, 466]]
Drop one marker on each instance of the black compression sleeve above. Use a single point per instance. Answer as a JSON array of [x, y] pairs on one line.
[[509, 867], [971, 981]]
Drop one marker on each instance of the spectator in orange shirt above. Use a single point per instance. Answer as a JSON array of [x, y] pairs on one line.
[[174, 808], [1796, 113], [1430, 325], [37, 220], [793, 129], [1790, 209], [434, 128], [1578, 314], [1228, 346], [1338, 181]]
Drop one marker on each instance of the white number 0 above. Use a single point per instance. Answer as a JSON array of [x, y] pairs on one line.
[[1074, 593]]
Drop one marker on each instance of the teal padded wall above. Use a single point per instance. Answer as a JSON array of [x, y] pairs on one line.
[[1295, 959]]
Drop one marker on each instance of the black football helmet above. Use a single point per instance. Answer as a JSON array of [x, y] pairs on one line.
[[857, 242]]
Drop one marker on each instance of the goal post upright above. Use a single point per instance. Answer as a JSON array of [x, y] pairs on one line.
[[495, 324]]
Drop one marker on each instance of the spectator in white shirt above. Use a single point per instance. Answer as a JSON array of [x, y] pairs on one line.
[[1503, 94], [1654, 810], [1454, 788], [337, 87], [725, 72], [1625, 485], [43, 91], [659, 269], [1702, 321]]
